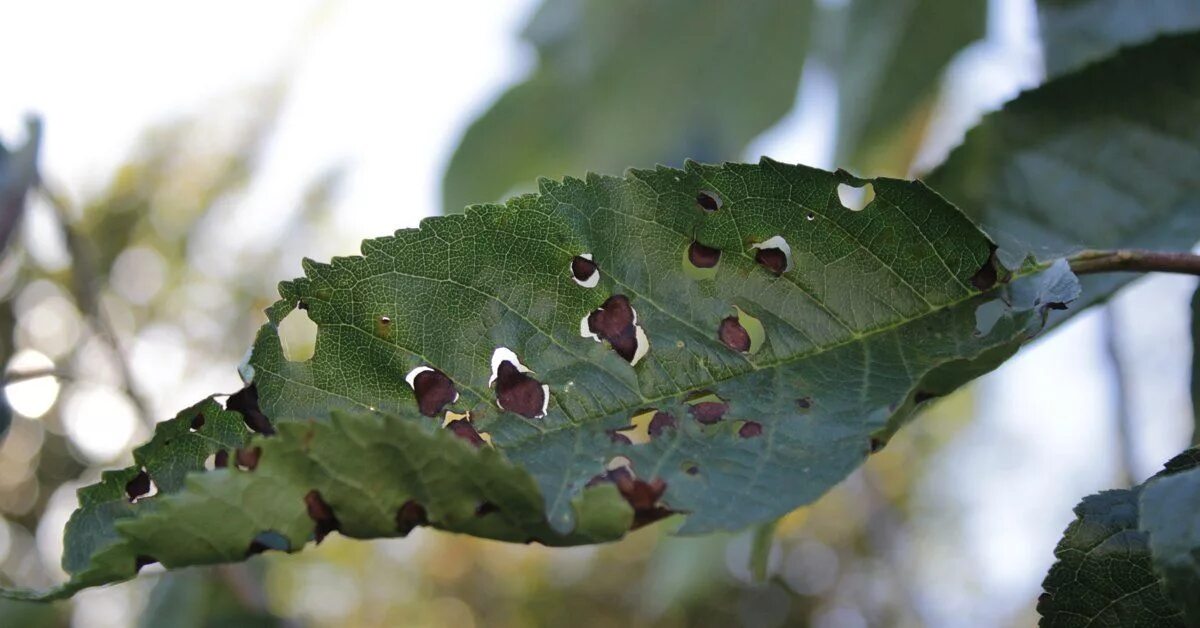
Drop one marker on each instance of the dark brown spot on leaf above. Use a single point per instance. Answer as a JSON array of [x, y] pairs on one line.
[[708, 412], [434, 391], [619, 438], [245, 401], [986, 276], [774, 260], [660, 422], [138, 486], [614, 322], [410, 515], [486, 508], [221, 459], [463, 429], [733, 334], [709, 201], [692, 470], [321, 513], [583, 268], [141, 560], [247, 457], [804, 403], [518, 392], [750, 429], [702, 256], [197, 422]]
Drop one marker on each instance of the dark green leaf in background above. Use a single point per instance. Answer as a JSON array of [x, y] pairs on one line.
[[628, 82], [1170, 514], [1106, 157], [1078, 32]]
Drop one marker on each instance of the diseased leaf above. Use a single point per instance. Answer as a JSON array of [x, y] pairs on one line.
[[622, 82], [1078, 32], [1170, 514], [473, 376], [1107, 157], [1104, 576], [889, 64]]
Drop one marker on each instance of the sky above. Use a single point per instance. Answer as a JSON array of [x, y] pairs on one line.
[[385, 90]]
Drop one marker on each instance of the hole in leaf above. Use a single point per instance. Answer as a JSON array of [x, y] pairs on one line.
[[321, 513], [463, 429], [750, 429], [616, 322], [643, 496], [409, 516], [638, 431], [810, 216], [774, 254], [516, 391], [268, 540], [197, 422], [855, 198], [141, 560], [661, 422], [584, 271], [385, 320], [140, 487], [247, 458], [708, 200], [245, 401], [433, 390], [702, 256], [298, 335]]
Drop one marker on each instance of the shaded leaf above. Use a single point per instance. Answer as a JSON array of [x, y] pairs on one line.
[[1196, 367], [1103, 575], [1078, 32], [629, 82], [1107, 157], [1170, 514], [877, 311], [18, 173]]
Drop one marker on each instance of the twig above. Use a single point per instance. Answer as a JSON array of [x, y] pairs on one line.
[[1127, 463], [16, 377], [1135, 261], [87, 293]]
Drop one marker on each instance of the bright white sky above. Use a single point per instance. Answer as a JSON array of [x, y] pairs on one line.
[[386, 88]]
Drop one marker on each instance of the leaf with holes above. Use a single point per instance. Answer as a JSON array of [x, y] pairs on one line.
[[722, 342], [1103, 575]]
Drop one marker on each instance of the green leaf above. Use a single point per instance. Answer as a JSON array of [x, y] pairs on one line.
[[198, 598], [1078, 32], [890, 60], [877, 311], [1102, 158], [1170, 514], [628, 82], [1103, 575]]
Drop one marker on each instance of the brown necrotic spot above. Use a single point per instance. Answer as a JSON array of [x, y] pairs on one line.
[[986, 276], [433, 390], [702, 256], [486, 508], [584, 271], [614, 322], [197, 422], [245, 402], [708, 201], [268, 540], [221, 459], [660, 423], [774, 254], [320, 512], [804, 403], [410, 515], [708, 412], [733, 335], [247, 458], [691, 468], [463, 429], [138, 486], [520, 393], [750, 429]]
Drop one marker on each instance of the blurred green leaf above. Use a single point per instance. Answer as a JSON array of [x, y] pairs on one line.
[[890, 58], [1078, 32], [622, 82], [1107, 157], [1170, 514], [18, 173], [875, 313], [1103, 576], [32, 615]]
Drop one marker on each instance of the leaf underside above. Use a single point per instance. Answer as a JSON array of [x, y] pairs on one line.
[[756, 383]]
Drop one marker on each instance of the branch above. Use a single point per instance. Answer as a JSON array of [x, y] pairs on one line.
[[1134, 261]]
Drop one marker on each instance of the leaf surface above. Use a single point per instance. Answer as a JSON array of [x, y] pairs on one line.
[[1078, 32], [751, 386], [1170, 514]]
